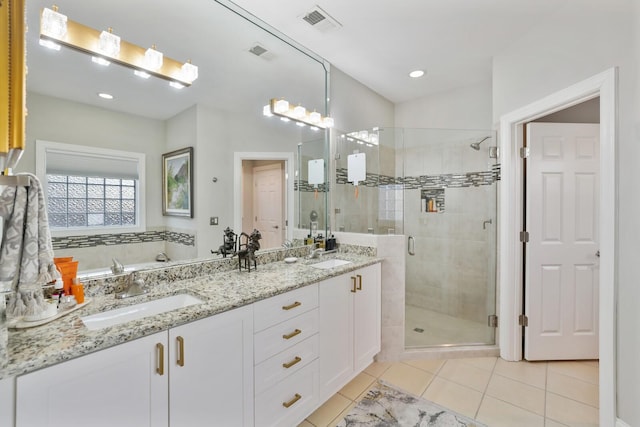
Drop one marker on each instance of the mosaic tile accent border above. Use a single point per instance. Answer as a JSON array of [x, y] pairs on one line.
[[85, 241], [468, 179], [304, 187]]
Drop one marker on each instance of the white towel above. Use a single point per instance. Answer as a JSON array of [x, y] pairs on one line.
[[26, 254]]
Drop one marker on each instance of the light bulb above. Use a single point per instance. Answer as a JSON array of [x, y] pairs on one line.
[[328, 122], [54, 24], [282, 106], [299, 112], [152, 59], [266, 111], [109, 43], [189, 72], [315, 117]]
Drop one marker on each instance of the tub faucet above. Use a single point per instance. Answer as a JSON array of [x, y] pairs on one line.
[[133, 287], [117, 267]]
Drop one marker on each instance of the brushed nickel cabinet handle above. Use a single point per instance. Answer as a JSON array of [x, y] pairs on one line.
[[290, 306], [292, 401], [160, 367], [293, 362], [180, 351], [292, 334], [359, 276], [353, 282]]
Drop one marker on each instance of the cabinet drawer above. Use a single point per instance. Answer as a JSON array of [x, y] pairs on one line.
[[284, 335], [285, 306], [285, 363], [270, 409]]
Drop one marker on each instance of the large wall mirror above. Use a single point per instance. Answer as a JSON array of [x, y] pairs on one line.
[[241, 66]]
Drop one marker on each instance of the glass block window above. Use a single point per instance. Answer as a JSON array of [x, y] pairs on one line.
[[79, 201]]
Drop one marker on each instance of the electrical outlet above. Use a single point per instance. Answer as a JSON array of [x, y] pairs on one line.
[[213, 220]]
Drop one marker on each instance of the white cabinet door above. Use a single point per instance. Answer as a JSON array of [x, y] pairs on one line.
[[211, 364], [120, 386], [366, 316], [336, 334]]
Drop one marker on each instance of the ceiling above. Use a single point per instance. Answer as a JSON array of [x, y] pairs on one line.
[[216, 39], [378, 44], [381, 41]]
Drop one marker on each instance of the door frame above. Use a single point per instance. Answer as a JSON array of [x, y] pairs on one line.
[[511, 264], [281, 171], [287, 157]]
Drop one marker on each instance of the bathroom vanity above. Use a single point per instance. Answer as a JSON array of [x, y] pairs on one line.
[[263, 348]]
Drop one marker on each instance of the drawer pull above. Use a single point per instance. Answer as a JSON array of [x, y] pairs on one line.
[[359, 276], [292, 334], [353, 282], [293, 362], [160, 367], [290, 306], [180, 351], [292, 401]]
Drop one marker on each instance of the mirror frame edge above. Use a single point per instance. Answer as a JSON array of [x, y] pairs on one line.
[[12, 60]]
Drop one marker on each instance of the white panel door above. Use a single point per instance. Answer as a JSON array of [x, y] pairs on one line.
[[268, 205], [561, 283]]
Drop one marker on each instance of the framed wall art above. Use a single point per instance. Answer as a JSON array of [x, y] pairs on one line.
[[177, 183]]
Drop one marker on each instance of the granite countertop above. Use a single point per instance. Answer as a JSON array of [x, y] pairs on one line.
[[67, 337]]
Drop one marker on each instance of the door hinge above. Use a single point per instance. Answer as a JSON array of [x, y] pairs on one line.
[[523, 320], [524, 236], [524, 152], [492, 321]]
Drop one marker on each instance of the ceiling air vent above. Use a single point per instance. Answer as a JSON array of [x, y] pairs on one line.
[[258, 50], [321, 20]]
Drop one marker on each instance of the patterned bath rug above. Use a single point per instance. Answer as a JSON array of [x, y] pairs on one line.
[[385, 406]]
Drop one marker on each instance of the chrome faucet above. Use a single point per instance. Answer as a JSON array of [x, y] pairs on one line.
[[315, 253], [134, 287], [117, 267]]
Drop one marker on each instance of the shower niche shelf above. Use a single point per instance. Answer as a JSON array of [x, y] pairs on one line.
[[432, 200]]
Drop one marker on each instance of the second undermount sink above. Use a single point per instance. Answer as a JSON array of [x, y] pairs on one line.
[[330, 263], [138, 311]]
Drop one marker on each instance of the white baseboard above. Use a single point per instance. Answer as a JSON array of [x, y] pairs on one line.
[[620, 423]]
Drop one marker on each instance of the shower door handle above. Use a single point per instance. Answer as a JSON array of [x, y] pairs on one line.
[[411, 246]]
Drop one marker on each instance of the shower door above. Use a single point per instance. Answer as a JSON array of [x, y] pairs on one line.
[[450, 189]]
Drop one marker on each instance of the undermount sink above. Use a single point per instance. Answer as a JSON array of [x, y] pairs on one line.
[[138, 311], [330, 263]]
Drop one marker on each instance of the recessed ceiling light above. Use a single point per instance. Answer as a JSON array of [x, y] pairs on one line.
[[104, 95], [417, 73]]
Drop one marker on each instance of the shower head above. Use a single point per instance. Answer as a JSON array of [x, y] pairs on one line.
[[476, 145]]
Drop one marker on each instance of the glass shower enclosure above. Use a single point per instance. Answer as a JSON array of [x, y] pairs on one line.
[[450, 204], [437, 187]]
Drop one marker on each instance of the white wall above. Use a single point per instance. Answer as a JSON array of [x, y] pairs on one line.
[[581, 40], [355, 107], [58, 120], [467, 107]]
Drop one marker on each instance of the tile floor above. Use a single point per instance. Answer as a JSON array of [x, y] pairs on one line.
[[488, 389]]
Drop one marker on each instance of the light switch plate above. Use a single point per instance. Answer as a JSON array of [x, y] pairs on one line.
[[213, 220]]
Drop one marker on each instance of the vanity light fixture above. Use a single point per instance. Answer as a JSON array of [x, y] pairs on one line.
[[105, 47], [283, 109], [362, 137]]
